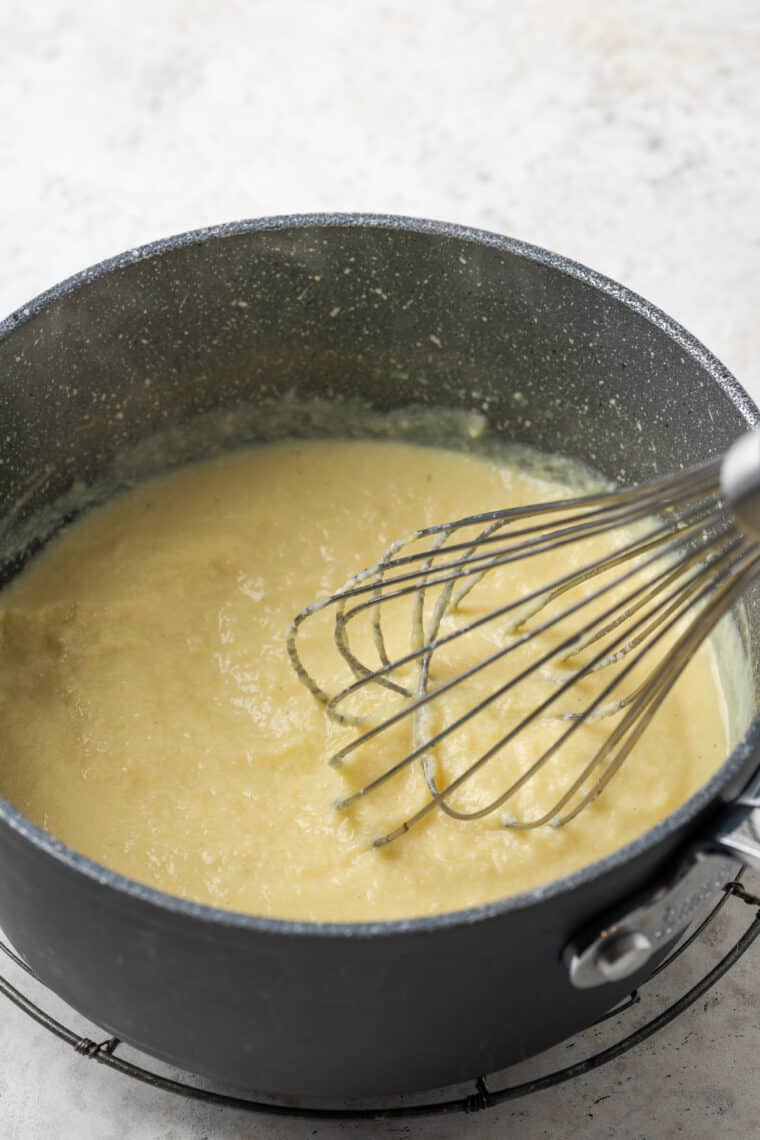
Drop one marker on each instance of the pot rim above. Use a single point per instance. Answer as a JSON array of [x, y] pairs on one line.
[[703, 798]]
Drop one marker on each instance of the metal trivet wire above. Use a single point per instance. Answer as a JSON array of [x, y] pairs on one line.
[[105, 1052]]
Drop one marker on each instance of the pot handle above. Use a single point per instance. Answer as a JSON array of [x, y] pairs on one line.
[[621, 942]]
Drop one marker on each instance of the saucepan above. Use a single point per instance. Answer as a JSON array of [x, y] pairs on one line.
[[397, 313]]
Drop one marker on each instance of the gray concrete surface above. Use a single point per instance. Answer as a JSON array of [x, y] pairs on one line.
[[627, 136]]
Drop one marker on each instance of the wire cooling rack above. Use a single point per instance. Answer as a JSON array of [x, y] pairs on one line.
[[482, 1095]]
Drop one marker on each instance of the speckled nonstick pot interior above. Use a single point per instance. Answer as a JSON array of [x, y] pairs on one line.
[[396, 312]]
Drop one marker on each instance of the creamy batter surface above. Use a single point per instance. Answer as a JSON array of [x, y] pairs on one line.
[[150, 717]]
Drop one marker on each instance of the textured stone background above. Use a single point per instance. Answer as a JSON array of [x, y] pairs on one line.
[[627, 136]]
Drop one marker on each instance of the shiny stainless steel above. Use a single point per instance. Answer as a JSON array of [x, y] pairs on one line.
[[620, 943], [676, 573], [738, 830], [740, 483], [623, 955]]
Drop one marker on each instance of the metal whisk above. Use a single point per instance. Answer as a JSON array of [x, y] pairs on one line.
[[684, 549]]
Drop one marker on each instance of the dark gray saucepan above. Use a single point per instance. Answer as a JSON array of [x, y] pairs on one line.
[[398, 312]]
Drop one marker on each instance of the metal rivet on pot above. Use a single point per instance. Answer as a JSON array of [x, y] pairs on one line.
[[623, 954]]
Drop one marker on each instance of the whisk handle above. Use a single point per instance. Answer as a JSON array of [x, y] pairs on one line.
[[740, 483]]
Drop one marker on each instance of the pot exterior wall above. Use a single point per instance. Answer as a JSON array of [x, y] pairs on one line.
[[305, 1015]]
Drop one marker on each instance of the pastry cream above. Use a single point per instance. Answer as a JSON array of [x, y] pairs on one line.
[[150, 717]]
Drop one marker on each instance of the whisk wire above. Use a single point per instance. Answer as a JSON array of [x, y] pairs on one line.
[[505, 740], [564, 648], [542, 596], [677, 565]]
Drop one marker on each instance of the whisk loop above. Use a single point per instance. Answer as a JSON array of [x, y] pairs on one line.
[[677, 563]]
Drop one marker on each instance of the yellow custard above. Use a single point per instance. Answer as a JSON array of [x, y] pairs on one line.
[[150, 717]]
